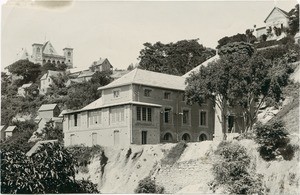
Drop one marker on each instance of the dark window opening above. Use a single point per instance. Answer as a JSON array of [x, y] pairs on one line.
[[144, 137], [186, 137], [202, 137]]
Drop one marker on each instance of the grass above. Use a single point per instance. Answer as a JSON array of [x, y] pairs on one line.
[[174, 154]]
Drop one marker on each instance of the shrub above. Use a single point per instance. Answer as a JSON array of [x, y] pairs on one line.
[[51, 169], [174, 154], [273, 140], [148, 185], [231, 170]]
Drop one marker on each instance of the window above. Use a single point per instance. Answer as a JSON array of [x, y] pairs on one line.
[[202, 137], [116, 93], [186, 137], [143, 114], [167, 95], [74, 120], [185, 117], [183, 97], [167, 115], [203, 118], [38, 50], [117, 114], [147, 92], [94, 117], [69, 54]]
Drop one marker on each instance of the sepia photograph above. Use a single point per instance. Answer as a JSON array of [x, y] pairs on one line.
[[150, 97]]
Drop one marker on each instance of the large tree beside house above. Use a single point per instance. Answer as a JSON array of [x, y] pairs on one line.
[[174, 58], [239, 84]]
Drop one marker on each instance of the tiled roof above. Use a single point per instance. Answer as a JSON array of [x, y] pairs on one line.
[[50, 73], [99, 62], [38, 145], [99, 104], [197, 68], [86, 74], [10, 128], [47, 107], [2, 127], [77, 70], [148, 78]]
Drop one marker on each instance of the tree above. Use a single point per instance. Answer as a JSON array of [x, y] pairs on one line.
[[149, 186], [5, 83], [49, 132], [237, 47], [130, 67], [81, 94], [248, 37], [239, 82], [294, 20], [28, 70], [174, 58]]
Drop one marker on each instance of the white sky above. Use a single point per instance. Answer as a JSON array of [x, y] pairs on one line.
[[117, 30]]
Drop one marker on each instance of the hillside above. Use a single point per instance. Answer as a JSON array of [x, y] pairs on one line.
[[190, 173]]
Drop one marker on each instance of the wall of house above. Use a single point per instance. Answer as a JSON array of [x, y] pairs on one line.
[[125, 94], [276, 19], [105, 133], [46, 114], [176, 102], [45, 84], [151, 127]]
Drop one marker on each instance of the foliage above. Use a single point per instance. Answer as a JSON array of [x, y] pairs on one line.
[[294, 20], [240, 82], [28, 70], [19, 141], [49, 132], [49, 170], [248, 37], [81, 94], [174, 154], [273, 140], [242, 48], [130, 67], [231, 170], [82, 154], [5, 83], [174, 58], [148, 186]]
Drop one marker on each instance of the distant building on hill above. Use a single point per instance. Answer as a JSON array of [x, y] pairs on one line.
[[47, 80], [275, 23], [43, 53], [22, 89], [9, 131]]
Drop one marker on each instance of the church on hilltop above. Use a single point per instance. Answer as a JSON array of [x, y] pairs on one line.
[[43, 53]]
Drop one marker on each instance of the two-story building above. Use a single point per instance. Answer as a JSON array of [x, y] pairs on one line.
[[141, 107]]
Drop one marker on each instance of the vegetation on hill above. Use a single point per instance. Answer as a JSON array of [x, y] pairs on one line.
[[248, 37], [174, 58], [50, 169], [232, 170]]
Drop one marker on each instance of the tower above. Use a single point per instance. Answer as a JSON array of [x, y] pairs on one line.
[[68, 53], [37, 53]]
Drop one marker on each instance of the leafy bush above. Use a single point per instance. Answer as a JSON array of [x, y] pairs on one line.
[[174, 154], [231, 170], [273, 140], [148, 185], [49, 170]]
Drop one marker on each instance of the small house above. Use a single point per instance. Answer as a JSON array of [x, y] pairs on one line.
[[48, 111], [9, 131], [47, 80]]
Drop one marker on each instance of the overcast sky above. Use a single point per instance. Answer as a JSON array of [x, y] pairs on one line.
[[117, 30]]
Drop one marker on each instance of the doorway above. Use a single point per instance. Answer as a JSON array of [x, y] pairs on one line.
[[116, 137], [144, 137]]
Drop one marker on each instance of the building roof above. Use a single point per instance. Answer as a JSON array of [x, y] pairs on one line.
[[77, 70], [26, 85], [148, 78], [86, 74], [99, 104], [297, 35], [50, 73], [100, 62], [197, 68], [119, 73], [10, 128], [38, 145], [23, 54], [45, 107], [280, 10]]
